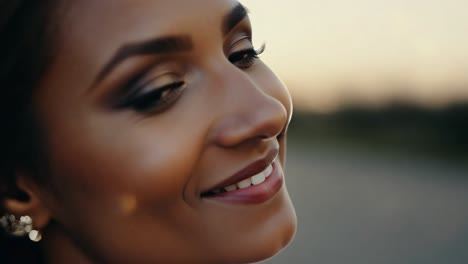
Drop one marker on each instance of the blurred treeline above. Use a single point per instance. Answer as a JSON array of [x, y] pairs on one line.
[[397, 127]]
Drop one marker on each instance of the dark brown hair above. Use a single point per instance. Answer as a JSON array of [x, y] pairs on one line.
[[27, 32]]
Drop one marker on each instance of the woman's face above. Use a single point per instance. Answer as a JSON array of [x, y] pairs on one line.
[[151, 109]]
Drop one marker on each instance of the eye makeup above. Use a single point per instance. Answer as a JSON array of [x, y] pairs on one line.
[[245, 58], [156, 100], [151, 90], [155, 87], [162, 45], [242, 52]]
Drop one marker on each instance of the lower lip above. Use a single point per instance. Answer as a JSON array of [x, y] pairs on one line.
[[255, 194]]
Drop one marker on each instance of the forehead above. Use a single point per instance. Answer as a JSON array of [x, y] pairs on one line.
[[92, 31], [105, 17]]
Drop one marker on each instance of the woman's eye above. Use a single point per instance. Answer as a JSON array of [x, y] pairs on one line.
[[245, 58], [156, 99]]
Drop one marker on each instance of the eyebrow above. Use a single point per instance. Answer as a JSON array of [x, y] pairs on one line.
[[168, 44], [234, 17]]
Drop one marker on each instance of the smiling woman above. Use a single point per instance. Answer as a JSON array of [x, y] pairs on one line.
[[140, 132]]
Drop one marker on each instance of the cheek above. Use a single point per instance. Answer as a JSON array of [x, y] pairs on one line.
[[151, 164]]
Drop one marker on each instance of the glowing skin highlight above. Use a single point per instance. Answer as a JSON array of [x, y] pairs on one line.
[[149, 107]]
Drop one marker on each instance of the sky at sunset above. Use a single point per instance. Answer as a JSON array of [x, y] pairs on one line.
[[334, 51]]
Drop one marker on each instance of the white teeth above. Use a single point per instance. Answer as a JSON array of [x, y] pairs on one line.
[[244, 184], [259, 178], [254, 180], [230, 188], [268, 171]]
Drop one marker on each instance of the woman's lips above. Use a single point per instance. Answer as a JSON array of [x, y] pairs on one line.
[[256, 189], [247, 172]]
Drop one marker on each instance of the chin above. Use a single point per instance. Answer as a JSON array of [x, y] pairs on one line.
[[277, 236], [268, 249], [276, 244]]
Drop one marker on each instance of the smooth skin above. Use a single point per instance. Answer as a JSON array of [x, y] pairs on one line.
[[126, 176]]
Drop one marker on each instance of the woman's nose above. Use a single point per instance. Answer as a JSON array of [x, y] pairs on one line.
[[249, 114]]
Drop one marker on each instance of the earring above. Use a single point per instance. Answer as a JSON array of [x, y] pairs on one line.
[[20, 227]]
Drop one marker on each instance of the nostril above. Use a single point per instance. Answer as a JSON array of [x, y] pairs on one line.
[[283, 131], [280, 136]]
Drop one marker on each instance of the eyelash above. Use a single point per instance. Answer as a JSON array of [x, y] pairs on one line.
[[245, 58], [155, 101]]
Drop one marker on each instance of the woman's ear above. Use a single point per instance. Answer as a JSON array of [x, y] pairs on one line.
[[28, 199]]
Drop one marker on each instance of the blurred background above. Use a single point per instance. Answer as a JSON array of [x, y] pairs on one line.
[[378, 146]]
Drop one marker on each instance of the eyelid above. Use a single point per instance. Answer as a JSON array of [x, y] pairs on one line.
[[153, 102], [241, 43], [240, 39], [142, 84], [242, 32], [142, 87], [140, 78]]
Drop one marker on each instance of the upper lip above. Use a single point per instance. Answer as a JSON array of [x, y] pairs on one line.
[[247, 172]]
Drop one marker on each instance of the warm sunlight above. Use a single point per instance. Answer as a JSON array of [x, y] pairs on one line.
[[334, 51]]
